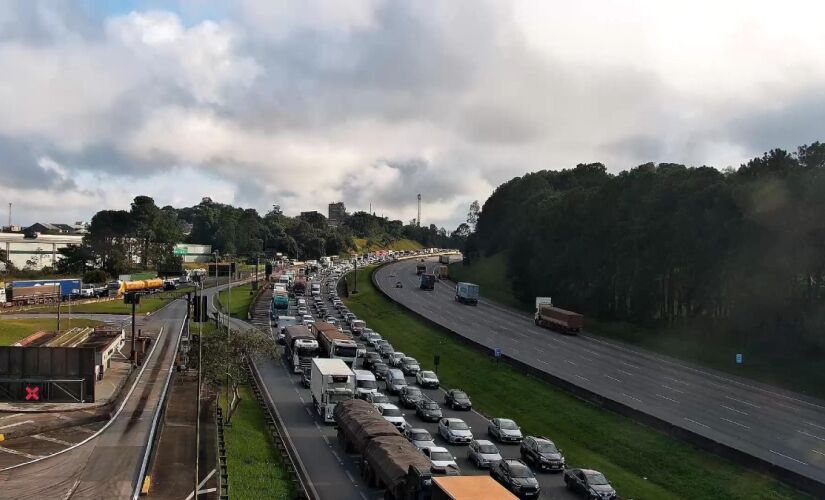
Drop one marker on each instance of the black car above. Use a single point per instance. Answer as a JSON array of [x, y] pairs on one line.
[[409, 396], [398, 284], [589, 483], [457, 400], [370, 359], [428, 410], [516, 477], [380, 370], [541, 453]]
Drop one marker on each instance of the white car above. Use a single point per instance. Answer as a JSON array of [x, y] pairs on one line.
[[395, 358], [455, 431], [393, 415], [377, 398], [427, 379], [440, 457], [302, 310]]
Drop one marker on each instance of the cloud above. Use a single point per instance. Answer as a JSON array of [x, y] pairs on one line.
[[302, 103]]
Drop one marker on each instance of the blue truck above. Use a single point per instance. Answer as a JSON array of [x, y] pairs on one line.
[[69, 287]]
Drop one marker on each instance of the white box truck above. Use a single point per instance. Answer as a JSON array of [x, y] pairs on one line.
[[331, 382], [466, 293]]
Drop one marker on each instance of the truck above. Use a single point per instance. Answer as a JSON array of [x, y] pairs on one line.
[[35, 294], [300, 347], [443, 272], [466, 293], [316, 289], [556, 318], [299, 288], [427, 282], [331, 382], [420, 269], [359, 423], [469, 488], [444, 259], [333, 343], [68, 286], [280, 303], [393, 463]]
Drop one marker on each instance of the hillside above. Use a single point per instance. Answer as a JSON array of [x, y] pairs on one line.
[[362, 245]]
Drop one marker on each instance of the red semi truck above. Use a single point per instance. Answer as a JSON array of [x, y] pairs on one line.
[[556, 318]]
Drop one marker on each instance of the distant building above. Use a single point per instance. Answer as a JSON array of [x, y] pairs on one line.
[[337, 214], [36, 252], [194, 252], [57, 228]]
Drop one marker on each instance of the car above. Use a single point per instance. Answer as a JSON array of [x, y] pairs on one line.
[[307, 317], [398, 284], [455, 431], [589, 483], [427, 379], [457, 400], [302, 310], [377, 397], [302, 302], [409, 396], [393, 415], [516, 477], [395, 381], [307, 322], [409, 365], [381, 370], [420, 438], [361, 350], [483, 453], [504, 430], [332, 321], [373, 338], [370, 358], [441, 457], [428, 410], [384, 348], [541, 453], [395, 358]]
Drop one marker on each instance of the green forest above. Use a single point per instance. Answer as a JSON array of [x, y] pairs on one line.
[[739, 253]]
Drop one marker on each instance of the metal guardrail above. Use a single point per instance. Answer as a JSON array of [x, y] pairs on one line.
[[223, 476]]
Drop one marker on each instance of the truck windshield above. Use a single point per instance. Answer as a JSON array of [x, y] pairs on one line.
[[308, 351], [346, 351], [337, 397], [367, 384]]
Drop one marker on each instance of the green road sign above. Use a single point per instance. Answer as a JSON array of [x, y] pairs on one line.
[[180, 251]]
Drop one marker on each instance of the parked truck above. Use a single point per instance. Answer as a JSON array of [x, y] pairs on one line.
[[67, 286], [358, 423], [333, 343], [556, 318], [466, 293], [301, 347], [427, 282], [469, 488], [331, 382]]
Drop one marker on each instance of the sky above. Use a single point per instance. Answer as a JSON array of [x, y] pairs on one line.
[[371, 102]]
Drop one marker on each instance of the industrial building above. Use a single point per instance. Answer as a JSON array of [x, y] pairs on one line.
[[37, 251]]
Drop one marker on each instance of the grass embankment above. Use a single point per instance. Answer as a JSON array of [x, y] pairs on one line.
[[641, 463], [148, 303], [363, 245], [238, 300], [794, 369], [12, 330]]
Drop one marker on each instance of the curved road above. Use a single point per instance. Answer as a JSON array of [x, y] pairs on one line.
[[777, 426]]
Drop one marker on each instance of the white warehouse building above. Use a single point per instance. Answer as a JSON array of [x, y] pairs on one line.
[[38, 252]]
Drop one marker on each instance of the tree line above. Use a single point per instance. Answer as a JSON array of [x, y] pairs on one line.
[[658, 245]]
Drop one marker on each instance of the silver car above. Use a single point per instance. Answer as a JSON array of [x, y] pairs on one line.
[[483, 453], [420, 438], [455, 431], [505, 430]]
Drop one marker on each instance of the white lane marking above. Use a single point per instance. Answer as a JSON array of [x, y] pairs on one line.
[[818, 452], [665, 397], [677, 381], [302, 399], [624, 371], [806, 433], [613, 378], [631, 397], [672, 389], [543, 361], [308, 412], [629, 364], [17, 423], [349, 475], [192, 494], [568, 361], [583, 378], [51, 439], [594, 353], [539, 349], [734, 422], [789, 458], [734, 410], [695, 422], [326, 440], [72, 490], [337, 457], [317, 426], [16, 452], [743, 401], [10, 416], [813, 425]]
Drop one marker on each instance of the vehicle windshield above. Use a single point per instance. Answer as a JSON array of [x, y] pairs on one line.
[[427, 375], [421, 436], [391, 412], [431, 405], [460, 395], [507, 425], [597, 479], [547, 448], [367, 384], [489, 449], [336, 397], [520, 471], [308, 351], [380, 398], [441, 456], [413, 391], [459, 426], [346, 351]]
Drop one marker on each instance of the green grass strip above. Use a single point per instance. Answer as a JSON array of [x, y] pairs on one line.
[[12, 330], [642, 463]]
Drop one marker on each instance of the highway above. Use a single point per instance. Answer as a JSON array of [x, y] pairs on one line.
[[107, 464], [775, 425]]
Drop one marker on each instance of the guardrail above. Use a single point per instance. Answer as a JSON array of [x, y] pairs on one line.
[[300, 479], [223, 476]]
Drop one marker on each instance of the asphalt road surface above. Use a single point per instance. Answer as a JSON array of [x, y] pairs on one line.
[[107, 465], [334, 474], [778, 426]]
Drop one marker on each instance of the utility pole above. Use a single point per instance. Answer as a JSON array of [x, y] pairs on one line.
[[418, 220], [198, 402], [9, 216], [59, 298]]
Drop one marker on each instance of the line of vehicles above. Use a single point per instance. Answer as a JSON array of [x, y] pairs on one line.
[[47, 291], [393, 454]]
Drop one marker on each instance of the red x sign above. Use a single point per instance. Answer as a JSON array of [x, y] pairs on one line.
[[31, 393]]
